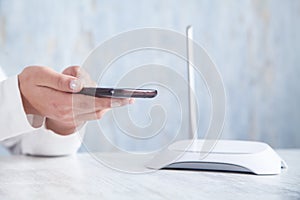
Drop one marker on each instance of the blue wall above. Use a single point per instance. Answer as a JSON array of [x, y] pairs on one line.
[[255, 44]]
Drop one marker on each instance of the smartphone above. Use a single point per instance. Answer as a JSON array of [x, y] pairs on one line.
[[118, 92]]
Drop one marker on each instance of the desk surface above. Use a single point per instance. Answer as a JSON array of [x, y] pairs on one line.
[[82, 177]]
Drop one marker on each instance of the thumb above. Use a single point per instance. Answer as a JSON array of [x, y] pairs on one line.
[[66, 83]]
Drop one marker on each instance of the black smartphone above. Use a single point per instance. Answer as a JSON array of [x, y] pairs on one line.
[[118, 92]]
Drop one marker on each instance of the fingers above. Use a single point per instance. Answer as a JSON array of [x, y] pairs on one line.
[[81, 74], [102, 103], [72, 71], [98, 114], [49, 78], [95, 108], [91, 116], [66, 106], [80, 114], [83, 103]]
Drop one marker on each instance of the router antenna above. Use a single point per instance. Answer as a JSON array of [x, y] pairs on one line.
[[191, 81]]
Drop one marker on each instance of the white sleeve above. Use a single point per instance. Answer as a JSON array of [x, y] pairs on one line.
[[24, 134], [44, 142], [13, 120]]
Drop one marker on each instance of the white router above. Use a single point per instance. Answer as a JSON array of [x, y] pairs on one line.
[[227, 155]]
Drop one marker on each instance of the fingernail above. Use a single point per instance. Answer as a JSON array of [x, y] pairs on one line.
[[115, 104], [75, 84]]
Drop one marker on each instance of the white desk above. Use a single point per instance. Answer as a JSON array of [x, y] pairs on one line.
[[81, 177]]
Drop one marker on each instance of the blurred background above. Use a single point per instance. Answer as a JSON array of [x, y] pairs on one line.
[[254, 43]]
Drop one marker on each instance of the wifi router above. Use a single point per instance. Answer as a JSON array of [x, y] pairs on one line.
[[227, 155]]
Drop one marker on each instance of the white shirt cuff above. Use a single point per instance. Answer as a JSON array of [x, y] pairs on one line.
[[13, 120]]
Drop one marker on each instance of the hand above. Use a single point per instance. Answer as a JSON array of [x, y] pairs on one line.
[[48, 93]]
